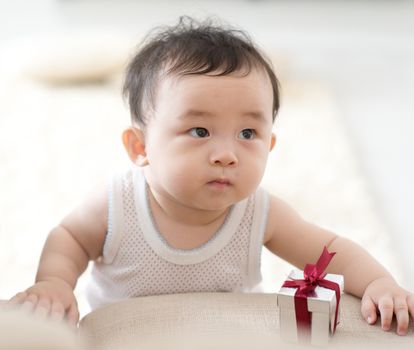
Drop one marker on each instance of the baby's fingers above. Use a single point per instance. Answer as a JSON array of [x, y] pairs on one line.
[[29, 304], [43, 308], [73, 314], [18, 298], [57, 311], [386, 309], [401, 313], [368, 310], [410, 303]]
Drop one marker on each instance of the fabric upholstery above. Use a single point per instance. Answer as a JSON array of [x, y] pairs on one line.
[[216, 319]]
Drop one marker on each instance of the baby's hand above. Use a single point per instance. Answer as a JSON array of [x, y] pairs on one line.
[[54, 299], [386, 296]]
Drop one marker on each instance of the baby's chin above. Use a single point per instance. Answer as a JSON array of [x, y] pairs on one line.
[[216, 204], [209, 198]]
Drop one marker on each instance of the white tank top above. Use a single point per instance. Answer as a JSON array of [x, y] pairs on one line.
[[137, 261]]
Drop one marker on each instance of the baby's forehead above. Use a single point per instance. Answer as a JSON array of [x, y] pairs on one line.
[[204, 95], [170, 72], [174, 80]]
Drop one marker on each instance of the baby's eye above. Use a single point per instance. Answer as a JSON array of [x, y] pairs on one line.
[[247, 134], [199, 132]]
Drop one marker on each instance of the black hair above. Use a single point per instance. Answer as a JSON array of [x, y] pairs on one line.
[[190, 48]]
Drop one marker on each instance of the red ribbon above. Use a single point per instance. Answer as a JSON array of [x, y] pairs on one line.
[[313, 277]]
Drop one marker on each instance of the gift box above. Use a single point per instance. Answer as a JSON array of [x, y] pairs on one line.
[[309, 303]]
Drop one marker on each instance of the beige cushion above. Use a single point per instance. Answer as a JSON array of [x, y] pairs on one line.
[[72, 57], [211, 320], [20, 331]]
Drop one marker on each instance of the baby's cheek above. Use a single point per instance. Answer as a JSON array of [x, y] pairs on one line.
[[252, 175], [179, 179], [254, 166]]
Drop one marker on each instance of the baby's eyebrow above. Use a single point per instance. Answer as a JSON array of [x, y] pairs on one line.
[[196, 114], [257, 115]]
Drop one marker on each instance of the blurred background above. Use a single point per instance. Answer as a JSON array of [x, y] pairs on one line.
[[343, 157]]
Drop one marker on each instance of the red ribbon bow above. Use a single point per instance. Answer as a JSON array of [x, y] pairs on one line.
[[313, 277]]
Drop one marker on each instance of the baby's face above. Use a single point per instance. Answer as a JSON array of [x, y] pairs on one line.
[[208, 140]]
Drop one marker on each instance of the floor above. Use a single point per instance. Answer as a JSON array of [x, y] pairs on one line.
[[364, 51]]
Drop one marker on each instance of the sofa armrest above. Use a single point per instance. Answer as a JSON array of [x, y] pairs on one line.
[[144, 319]]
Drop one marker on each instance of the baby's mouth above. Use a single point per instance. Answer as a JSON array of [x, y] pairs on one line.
[[220, 183]]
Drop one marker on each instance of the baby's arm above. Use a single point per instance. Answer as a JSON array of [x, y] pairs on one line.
[[69, 247], [299, 242]]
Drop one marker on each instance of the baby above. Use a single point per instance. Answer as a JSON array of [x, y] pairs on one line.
[[189, 216]]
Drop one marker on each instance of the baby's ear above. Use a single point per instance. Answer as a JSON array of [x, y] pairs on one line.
[[134, 143], [272, 142]]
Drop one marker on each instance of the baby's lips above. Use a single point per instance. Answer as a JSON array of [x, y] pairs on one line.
[[221, 181]]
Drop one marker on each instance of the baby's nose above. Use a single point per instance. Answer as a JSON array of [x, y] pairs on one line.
[[223, 156]]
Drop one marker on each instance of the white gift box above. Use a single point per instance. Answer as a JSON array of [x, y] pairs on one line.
[[322, 307]]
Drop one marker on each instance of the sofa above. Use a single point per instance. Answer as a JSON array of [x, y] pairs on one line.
[[219, 320]]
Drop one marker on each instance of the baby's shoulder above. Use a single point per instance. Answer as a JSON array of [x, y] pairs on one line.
[[94, 203], [280, 216], [88, 222]]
